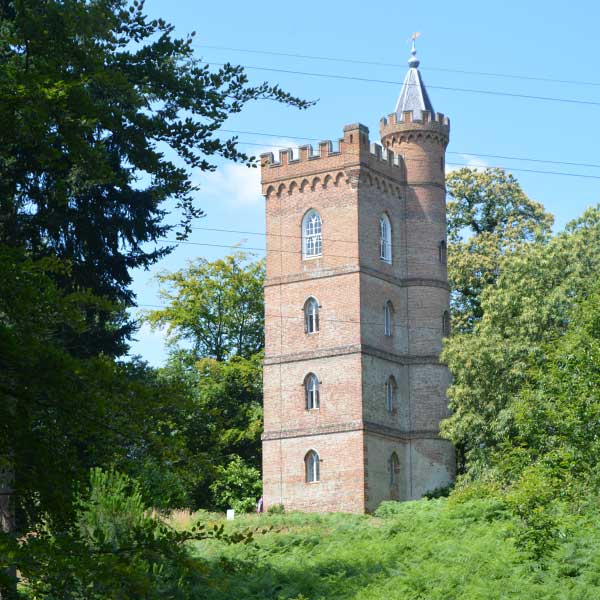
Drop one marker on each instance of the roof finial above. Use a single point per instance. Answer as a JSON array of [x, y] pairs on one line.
[[413, 61]]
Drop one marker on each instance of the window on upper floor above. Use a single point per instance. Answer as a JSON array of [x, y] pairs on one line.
[[312, 241], [312, 467], [311, 390], [311, 316], [390, 394], [394, 468], [443, 252], [388, 318], [385, 239], [446, 324]]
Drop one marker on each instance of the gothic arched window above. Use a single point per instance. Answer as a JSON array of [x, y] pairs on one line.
[[390, 394], [446, 324], [312, 467], [311, 390], [311, 316], [388, 318], [312, 241], [443, 252], [385, 239], [394, 467]]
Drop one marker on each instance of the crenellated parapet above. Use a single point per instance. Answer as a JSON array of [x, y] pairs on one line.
[[332, 165], [409, 126]]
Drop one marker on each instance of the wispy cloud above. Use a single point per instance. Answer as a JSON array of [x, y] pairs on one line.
[[237, 185], [466, 160]]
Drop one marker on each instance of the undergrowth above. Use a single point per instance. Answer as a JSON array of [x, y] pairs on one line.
[[429, 550]]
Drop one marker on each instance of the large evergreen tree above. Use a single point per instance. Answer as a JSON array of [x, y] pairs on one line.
[[95, 101]]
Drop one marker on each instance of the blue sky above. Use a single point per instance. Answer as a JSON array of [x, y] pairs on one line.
[[547, 39]]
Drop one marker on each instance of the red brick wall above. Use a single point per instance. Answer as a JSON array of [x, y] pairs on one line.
[[353, 431]]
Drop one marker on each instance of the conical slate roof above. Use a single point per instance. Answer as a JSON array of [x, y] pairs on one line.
[[413, 95]]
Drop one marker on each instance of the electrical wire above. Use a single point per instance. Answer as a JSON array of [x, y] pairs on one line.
[[403, 65], [301, 318], [397, 83]]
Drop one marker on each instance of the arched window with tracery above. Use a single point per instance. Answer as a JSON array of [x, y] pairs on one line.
[[311, 391], [312, 467], [312, 241], [388, 318], [390, 394], [385, 239], [311, 316]]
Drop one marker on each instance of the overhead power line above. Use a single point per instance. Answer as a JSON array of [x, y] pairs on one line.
[[435, 87], [403, 65], [398, 246], [238, 247], [301, 318]]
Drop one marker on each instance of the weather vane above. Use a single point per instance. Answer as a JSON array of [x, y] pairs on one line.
[[413, 61], [414, 38]]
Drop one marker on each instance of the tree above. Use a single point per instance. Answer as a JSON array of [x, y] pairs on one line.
[[524, 314], [237, 486], [95, 99], [223, 421], [75, 412], [557, 413], [116, 548], [216, 308], [489, 215]]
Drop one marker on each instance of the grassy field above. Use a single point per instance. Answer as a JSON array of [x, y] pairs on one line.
[[416, 550]]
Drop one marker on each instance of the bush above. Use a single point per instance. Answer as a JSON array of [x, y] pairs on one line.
[[276, 509], [113, 509], [387, 509], [533, 498], [439, 492], [237, 486], [117, 549]]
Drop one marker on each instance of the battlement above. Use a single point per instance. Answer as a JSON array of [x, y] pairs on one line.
[[409, 117], [353, 150], [400, 128]]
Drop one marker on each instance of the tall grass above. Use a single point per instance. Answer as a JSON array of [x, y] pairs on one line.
[[425, 550]]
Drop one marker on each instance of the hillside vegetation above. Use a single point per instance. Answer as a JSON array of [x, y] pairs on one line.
[[436, 549]]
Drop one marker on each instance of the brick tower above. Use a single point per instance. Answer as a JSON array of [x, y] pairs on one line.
[[356, 303]]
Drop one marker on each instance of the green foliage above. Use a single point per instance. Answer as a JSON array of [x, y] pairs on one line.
[[216, 307], [113, 509], [422, 550], [222, 417], [96, 101], [532, 499], [237, 485], [276, 509], [116, 549], [163, 484], [439, 492], [497, 366], [489, 216], [390, 508], [525, 392]]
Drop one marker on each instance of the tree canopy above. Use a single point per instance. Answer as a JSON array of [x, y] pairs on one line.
[[216, 308], [526, 312], [489, 215], [96, 100]]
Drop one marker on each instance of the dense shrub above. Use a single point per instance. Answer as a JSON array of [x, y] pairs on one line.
[[237, 486]]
